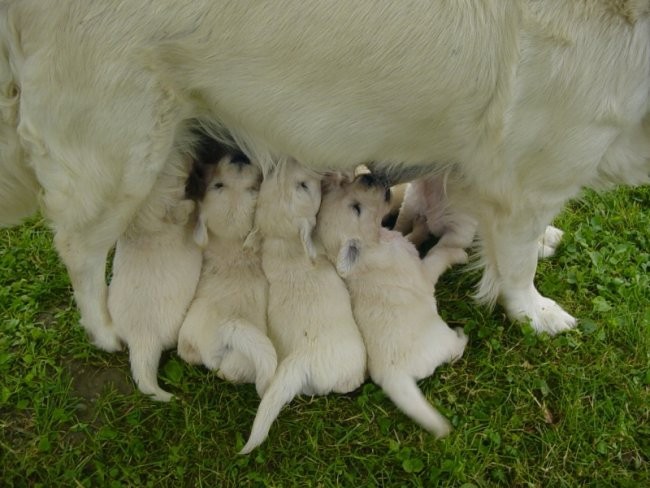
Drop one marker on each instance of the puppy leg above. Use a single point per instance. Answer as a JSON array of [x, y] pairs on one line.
[[510, 250], [440, 259], [420, 231], [408, 211], [450, 249]]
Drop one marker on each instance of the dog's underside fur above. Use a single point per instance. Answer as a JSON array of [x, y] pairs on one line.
[[529, 101]]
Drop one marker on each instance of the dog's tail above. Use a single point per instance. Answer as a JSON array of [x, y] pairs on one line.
[[402, 389], [244, 337], [289, 380]]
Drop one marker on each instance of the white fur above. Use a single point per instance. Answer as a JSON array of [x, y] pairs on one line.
[[426, 200], [155, 272], [309, 316], [528, 100], [392, 299], [225, 326]]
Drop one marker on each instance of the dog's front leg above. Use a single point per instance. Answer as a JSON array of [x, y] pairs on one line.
[[510, 249], [86, 264]]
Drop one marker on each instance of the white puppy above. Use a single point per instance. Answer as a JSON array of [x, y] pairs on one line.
[[310, 317], [392, 300], [427, 209], [155, 272], [225, 326]]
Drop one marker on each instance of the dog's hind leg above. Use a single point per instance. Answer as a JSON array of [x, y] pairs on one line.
[[94, 182]]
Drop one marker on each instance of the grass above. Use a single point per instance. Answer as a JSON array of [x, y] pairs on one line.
[[527, 410]]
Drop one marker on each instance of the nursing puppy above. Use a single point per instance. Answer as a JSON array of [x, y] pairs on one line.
[[392, 299], [310, 318], [155, 272], [426, 209], [529, 101], [225, 326]]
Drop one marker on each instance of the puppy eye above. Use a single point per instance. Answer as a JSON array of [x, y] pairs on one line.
[[303, 185], [356, 206], [217, 186]]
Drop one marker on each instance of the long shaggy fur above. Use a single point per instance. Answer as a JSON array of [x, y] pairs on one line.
[[528, 100]]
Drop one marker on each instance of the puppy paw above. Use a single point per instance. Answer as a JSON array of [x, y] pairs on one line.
[[549, 242], [440, 259], [544, 314]]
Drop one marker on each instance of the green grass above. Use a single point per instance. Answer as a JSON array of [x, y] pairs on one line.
[[527, 410]]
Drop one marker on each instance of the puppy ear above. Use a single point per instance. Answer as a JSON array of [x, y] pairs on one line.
[[306, 228], [201, 230], [348, 257]]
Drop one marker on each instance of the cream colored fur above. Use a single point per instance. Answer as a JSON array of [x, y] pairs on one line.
[[528, 100], [392, 299], [225, 326], [155, 272], [310, 319]]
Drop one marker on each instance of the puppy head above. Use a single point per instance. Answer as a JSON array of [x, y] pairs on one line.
[[288, 203], [350, 217], [228, 207]]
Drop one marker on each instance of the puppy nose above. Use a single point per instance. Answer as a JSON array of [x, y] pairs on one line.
[[240, 159]]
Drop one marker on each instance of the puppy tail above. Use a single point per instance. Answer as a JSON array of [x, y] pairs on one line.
[[257, 347], [403, 390], [145, 356], [288, 381]]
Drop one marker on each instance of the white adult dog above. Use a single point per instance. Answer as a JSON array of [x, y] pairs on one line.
[[528, 100], [225, 326], [426, 209], [155, 273], [310, 317], [392, 299]]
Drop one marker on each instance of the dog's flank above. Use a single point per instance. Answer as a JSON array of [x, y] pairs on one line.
[[225, 326], [540, 100], [310, 318], [392, 299]]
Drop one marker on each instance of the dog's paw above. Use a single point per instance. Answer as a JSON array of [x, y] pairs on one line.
[[549, 242], [544, 314]]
